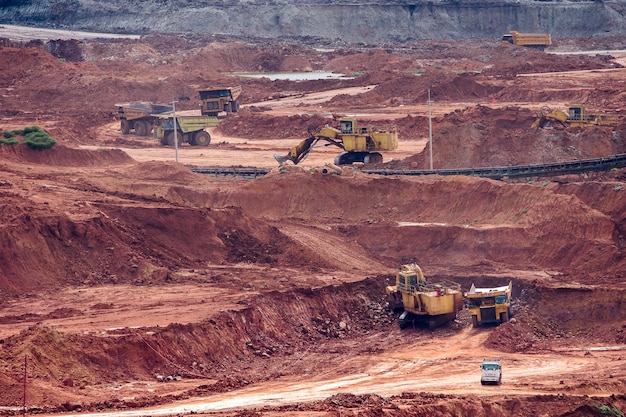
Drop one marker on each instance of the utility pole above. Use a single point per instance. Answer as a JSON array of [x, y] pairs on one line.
[[24, 398], [175, 128], [430, 131]]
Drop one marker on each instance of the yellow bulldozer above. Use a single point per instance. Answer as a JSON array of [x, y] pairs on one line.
[[360, 144], [576, 115], [423, 302]]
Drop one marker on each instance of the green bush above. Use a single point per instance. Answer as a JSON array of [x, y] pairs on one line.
[[34, 136], [31, 129], [39, 139], [607, 410]]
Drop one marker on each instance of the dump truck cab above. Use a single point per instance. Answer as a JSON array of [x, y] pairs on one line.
[[491, 372]]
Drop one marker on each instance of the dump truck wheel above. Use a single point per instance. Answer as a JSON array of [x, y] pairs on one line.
[[504, 317], [141, 128], [235, 106], [474, 321], [125, 126], [202, 138], [169, 138]]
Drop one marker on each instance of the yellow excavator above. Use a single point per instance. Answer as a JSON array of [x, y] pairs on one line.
[[359, 144], [576, 115], [423, 302]]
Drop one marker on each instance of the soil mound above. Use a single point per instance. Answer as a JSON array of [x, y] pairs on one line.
[[247, 124], [63, 156], [511, 60], [157, 170], [507, 220], [482, 136]]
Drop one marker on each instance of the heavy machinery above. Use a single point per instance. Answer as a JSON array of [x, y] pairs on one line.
[[489, 305], [491, 372], [576, 115], [532, 40], [140, 117], [423, 302], [190, 129], [221, 99], [360, 144]]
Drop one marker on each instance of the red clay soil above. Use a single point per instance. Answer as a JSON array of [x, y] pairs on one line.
[[267, 296]]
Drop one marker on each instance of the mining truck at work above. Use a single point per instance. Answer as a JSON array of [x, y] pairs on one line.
[[532, 40], [189, 129], [489, 305], [422, 302], [359, 144], [216, 100], [140, 117]]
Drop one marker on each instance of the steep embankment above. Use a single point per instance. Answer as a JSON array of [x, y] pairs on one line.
[[356, 22]]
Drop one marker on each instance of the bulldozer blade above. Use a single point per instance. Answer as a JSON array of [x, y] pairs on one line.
[[281, 159]]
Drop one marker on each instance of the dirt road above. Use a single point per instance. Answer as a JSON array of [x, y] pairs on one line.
[[448, 366]]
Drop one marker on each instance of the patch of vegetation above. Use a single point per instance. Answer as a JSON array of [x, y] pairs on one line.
[[607, 410], [521, 213], [34, 137], [9, 141]]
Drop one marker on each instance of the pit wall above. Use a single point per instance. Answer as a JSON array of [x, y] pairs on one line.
[[371, 22]]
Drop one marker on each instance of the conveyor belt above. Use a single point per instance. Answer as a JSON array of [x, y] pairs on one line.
[[245, 172], [521, 171], [518, 171]]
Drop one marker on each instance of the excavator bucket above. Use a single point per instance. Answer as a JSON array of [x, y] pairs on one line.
[[281, 159]]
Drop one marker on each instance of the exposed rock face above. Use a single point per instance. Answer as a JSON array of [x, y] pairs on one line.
[[358, 21]]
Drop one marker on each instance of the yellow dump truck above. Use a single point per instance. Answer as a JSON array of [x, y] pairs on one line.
[[489, 305], [140, 117], [216, 100], [423, 302], [189, 129], [532, 40]]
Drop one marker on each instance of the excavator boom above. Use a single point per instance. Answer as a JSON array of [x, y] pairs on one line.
[[298, 152]]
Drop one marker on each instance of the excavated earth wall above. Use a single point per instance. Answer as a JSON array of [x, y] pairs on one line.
[[332, 20]]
